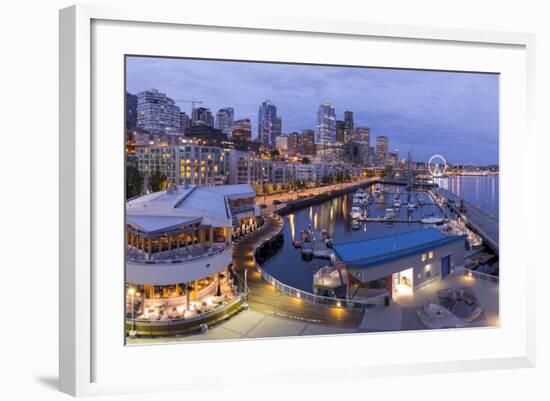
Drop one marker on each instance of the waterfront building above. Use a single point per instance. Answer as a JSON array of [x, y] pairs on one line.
[[185, 164], [245, 168], [308, 142], [267, 124], [403, 262], [131, 111], [281, 143], [157, 113], [381, 152], [202, 116], [241, 129], [224, 120], [294, 144], [326, 124], [340, 131], [178, 253]]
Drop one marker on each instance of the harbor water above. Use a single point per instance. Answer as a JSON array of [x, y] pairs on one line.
[[287, 265]]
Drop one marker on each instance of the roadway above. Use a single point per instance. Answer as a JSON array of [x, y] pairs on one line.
[[483, 223]]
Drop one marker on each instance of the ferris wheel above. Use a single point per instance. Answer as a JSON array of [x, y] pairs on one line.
[[437, 166]]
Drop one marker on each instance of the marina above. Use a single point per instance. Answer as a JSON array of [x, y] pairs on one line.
[[391, 210]]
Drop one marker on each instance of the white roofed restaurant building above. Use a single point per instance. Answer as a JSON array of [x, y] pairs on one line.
[[178, 253]]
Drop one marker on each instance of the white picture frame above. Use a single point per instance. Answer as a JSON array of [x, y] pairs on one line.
[[81, 215]]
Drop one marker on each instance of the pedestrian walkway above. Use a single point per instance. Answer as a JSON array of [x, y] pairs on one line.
[[265, 298]]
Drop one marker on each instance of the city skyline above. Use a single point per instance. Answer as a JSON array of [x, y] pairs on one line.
[[454, 114]]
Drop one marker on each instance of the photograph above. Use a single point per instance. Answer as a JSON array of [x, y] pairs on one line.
[[270, 199]]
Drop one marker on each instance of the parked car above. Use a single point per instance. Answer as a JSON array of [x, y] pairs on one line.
[[276, 202]]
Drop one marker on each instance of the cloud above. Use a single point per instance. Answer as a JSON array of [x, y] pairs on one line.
[[455, 114]]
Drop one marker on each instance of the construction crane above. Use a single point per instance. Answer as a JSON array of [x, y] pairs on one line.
[[193, 102]]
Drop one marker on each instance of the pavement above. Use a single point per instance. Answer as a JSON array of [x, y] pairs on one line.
[[400, 315]]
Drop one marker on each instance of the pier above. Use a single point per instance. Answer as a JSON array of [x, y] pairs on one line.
[[481, 222]]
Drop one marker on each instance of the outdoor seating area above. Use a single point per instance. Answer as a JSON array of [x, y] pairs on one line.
[[179, 305], [457, 308]]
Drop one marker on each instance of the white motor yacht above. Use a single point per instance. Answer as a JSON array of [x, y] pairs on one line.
[[360, 198]]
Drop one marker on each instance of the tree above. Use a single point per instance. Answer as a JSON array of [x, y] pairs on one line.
[[306, 160], [274, 153], [134, 182], [157, 181]]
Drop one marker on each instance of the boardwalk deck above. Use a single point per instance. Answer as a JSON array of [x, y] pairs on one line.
[[483, 223], [263, 297]]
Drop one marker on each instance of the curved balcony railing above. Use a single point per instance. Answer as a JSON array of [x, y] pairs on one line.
[[182, 256]]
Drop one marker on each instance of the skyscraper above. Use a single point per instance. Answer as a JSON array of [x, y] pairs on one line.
[[362, 135], [294, 143], [185, 121], [382, 144], [340, 131], [308, 142], [224, 119], [278, 126], [203, 116], [349, 127], [157, 113], [326, 123], [267, 124], [131, 111]]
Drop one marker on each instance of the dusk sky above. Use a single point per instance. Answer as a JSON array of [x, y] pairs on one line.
[[453, 114]]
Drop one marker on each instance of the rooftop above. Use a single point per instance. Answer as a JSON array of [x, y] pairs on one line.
[[367, 253], [186, 202]]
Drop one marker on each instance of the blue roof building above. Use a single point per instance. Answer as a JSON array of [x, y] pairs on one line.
[[403, 261]]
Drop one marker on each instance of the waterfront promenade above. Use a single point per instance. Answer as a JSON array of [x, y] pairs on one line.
[[483, 223], [264, 297]]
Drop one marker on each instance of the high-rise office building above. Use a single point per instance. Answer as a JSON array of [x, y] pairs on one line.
[[157, 113], [362, 135], [382, 145], [294, 143], [278, 126], [326, 123], [267, 124], [349, 127], [308, 142], [202, 116], [224, 119], [281, 143], [241, 129], [392, 159], [131, 111], [340, 131], [185, 122]]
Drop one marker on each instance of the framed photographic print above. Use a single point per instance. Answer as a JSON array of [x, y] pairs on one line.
[[286, 192]]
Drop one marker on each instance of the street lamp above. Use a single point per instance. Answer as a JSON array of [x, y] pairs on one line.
[[132, 291]]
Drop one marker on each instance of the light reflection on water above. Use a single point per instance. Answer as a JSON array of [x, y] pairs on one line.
[[333, 215], [481, 191]]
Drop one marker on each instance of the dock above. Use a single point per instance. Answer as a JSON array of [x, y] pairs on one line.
[[476, 219]]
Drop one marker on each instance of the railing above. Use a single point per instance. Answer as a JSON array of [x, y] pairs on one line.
[[353, 304], [154, 328], [181, 259], [476, 274], [309, 297]]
